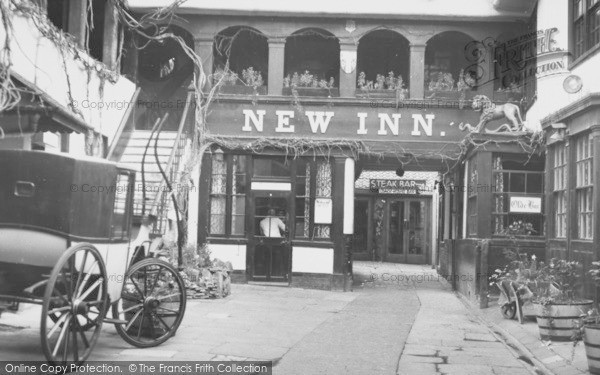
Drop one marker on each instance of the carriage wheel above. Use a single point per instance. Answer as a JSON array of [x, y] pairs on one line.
[[152, 303], [75, 303], [509, 310]]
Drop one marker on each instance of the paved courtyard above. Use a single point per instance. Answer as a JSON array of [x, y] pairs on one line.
[[400, 319]]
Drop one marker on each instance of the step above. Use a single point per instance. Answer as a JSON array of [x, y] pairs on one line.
[[137, 159], [145, 134], [142, 142], [139, 150]]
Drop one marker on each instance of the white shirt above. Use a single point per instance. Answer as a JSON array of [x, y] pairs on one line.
[[272, 226]]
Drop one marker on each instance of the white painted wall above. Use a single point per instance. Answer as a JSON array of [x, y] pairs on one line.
[[312, 260], [551, 95], [37, 61], [234, 253]]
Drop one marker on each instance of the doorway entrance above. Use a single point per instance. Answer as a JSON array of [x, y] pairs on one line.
[[270, 236], [407, 231], [392, 229]]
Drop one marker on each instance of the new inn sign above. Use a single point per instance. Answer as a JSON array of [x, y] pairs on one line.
[[427, 127]]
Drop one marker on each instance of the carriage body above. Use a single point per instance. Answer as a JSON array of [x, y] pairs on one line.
[[65, 243], [50, 202]]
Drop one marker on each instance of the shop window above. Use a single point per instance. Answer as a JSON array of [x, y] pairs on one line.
[[586, 26], [517, 196], [560, 191], [383, 57], [241, 57], [228, 195], [313, 183], [472, 199], [584, 187]]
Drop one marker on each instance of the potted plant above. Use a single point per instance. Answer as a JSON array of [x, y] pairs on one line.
[[443, 87], [559, 308], [307, 84], [591, 328], [512, 93], [390, 86], [251, 82]]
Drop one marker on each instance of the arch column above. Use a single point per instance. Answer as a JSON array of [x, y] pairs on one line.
[[204, 49], [417, 71], [348, 59], [276, 65]]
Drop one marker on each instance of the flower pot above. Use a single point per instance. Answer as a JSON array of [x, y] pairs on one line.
[[312, 91], [561, 321], [591, 339], [242, 90]]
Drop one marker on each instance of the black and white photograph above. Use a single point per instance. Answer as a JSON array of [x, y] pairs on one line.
[[281, 188]]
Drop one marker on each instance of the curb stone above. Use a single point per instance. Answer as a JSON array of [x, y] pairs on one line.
[[519, 350]]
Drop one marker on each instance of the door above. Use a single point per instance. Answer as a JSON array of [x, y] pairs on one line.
[[407, 231], [270, 236]]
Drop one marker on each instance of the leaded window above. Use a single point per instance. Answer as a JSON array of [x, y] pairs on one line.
[[560, 191], [227, 195], [584, 187]]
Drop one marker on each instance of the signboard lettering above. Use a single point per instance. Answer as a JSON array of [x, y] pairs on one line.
[[397, 186], [526, 204]]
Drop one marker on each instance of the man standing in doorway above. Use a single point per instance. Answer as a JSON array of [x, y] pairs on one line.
[[272, 226]]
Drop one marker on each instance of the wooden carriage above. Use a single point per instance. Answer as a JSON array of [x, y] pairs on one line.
[[65, 243]]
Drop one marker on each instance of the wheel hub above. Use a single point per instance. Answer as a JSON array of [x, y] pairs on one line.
[[151, 303], [80, 308]]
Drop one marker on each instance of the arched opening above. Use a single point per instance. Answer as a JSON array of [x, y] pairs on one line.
[[164, 72], [241, 58], [312, 59], [448, 66], [165, 59], [383, 60]]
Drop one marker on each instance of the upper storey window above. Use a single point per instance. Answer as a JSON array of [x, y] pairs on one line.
[[586, 26]]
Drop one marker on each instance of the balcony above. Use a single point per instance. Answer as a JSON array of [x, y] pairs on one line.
[[81, 92], [313, 63]]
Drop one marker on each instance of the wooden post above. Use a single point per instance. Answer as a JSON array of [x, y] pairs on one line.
[[484, 194], [78, 21], [111, 36], [595, 132], [337, 227]]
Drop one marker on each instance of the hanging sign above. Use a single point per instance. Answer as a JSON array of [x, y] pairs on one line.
[[382, 186], [526, 204], [323, 210]]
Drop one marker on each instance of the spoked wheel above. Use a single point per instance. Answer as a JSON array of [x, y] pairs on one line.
[[152, 303], [75, 303], [509, 310]]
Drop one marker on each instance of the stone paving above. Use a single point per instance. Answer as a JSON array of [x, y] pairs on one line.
[[560, 358], [400, 319]]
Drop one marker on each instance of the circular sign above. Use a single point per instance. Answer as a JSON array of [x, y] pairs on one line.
[[572, 84]]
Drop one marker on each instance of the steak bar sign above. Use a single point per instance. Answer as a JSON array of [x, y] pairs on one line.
[[342, 122], [397, 186]]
